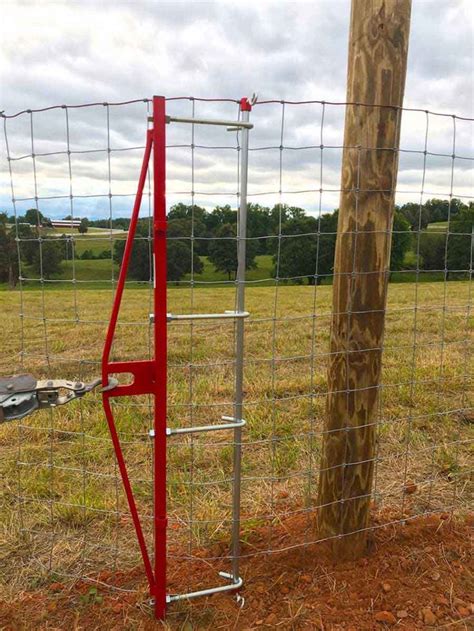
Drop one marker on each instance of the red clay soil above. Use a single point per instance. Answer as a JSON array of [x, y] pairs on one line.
[[417, 576]]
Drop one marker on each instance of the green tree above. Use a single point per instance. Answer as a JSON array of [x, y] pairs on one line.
[[28, 241], [47, 258], [308, 245], [35, 218], [179, 260], [223, 251], [178, 255], [8, 254], [417, 215], [460, 241], [432, 250], [84, 225], [281, 214], [432, 211], [185, 211], [307, 248], [185, 227], [259, 226], [68, 246], [220, 216], [259, 223], [140, 262], [401, 241], [190, 220], [179, 246]]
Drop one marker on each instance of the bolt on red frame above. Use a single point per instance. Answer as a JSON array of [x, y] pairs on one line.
[[150, 376]]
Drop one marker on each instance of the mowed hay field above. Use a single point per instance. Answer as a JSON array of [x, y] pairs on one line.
[[62, 509]]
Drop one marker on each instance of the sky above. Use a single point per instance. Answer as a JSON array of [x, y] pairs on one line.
[[56, 53]]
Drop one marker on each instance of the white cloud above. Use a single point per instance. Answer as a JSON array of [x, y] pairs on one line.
[[55, 53]]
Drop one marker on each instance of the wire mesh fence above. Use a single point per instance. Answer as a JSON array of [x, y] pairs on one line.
[[65, 511]]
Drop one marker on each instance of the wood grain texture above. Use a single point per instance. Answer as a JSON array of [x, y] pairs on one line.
[[378, 50]]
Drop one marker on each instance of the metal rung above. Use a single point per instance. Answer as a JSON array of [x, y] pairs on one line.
[[236, 584], [203, 316], [233, 423], [207, 121]]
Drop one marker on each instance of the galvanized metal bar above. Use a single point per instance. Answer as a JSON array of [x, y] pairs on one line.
[[245, 107], [236, 584], [243, 124], [232, 424], [226, 315], [209, 316]]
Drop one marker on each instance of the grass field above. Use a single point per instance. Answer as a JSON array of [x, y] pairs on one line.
[[62, 509], [95, 239], [263, 271], [98, 273], [91, 272]]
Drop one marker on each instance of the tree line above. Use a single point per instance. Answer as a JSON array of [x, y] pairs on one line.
[[301, 245]]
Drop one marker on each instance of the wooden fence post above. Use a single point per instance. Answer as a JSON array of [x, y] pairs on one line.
[[378, 48]]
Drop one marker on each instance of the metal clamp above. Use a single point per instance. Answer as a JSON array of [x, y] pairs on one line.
[[21, 395]]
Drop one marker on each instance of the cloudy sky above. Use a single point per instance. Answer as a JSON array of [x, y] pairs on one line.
[[55, 53]]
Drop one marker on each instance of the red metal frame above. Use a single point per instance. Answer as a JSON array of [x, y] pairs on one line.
[[161, 353], [150, 376]]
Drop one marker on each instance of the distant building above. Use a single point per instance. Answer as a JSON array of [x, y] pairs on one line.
[[65, 223]]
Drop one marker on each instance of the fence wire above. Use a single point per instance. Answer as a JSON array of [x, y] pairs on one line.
[[64, 508]]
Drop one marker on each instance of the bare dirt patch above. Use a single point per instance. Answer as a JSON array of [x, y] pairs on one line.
[[417, 575]]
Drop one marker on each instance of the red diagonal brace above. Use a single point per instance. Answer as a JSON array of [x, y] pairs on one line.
[[143, 372]]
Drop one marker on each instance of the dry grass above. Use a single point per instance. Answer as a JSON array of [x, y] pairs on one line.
[[62, 509]]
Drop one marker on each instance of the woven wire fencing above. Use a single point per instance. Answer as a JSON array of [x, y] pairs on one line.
[[63, 508]]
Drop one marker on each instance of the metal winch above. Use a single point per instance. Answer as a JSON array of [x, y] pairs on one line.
[[23, 394]]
